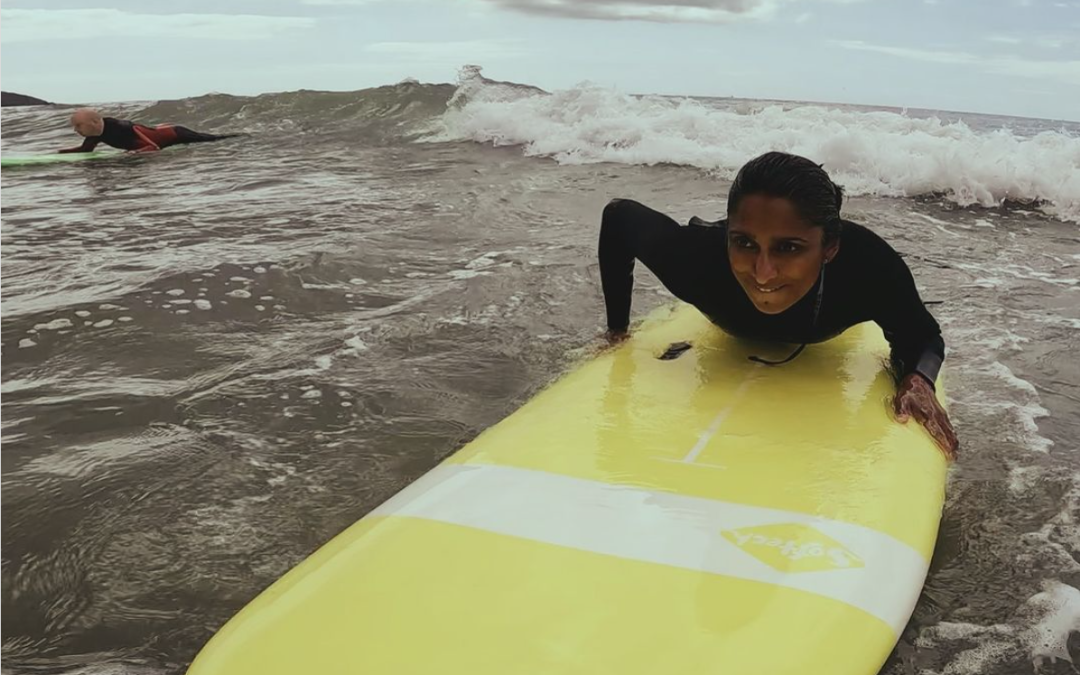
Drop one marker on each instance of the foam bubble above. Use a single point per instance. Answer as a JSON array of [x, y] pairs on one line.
[[467, 274], [175, 292], [239, 293], [55, 324], [203, 304], [356, 344]]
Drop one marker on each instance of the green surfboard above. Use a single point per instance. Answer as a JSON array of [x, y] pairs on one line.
[[56, 158]]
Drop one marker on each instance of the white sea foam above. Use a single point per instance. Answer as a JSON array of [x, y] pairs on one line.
[[1023, 407], [877, 153], [1057, 610], [55, 324], [1039, 632]]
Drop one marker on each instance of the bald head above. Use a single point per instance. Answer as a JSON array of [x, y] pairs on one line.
[[87, 122]]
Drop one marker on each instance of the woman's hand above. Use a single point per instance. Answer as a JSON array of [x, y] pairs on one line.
[[611, 340], [915, 398], [615, 337]]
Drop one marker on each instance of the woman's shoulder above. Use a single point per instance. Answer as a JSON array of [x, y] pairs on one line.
[[864, 244], [115, 124], [701, 230], [865, 255]]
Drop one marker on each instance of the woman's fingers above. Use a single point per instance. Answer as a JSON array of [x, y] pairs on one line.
[[928, 412], [902, 407], [940, 429]]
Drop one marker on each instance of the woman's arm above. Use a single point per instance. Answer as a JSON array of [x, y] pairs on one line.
[[88, 145], [918, 349], [631, 231]]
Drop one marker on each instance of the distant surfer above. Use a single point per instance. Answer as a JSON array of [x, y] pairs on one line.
[[132, 136], [760, 274]]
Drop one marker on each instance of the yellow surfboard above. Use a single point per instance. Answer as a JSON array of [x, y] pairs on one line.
[[696, 514]]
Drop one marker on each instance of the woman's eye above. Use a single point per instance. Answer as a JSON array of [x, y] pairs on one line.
[[787, 247], [742, 242]]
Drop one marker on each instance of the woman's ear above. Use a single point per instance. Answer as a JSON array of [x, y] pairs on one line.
[[831, 251]]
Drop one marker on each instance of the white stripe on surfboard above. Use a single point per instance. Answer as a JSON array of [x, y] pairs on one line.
[[717, 422], [667, 529]]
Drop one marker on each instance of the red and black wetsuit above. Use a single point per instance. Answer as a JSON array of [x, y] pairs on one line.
[[127, 135]]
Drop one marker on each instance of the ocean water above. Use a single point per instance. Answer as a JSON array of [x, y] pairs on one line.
[[217, 357]]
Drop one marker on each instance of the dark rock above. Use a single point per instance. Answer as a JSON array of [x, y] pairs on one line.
[[7, 98]]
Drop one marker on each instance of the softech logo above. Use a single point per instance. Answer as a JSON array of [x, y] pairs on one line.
[[792, 547]]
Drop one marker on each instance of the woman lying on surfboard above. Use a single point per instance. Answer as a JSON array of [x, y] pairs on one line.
[[761, 274], [131, 136]]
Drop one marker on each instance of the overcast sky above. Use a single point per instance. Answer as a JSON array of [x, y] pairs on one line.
[[1019, 57]]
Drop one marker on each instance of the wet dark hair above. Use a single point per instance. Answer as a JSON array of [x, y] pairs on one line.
[[797, 179]]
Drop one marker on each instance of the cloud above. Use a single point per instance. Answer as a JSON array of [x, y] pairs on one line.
[[670, 11], [452, 52], [1045, 42], [1058, 71], [660, 11], [25, 25], [336, 3], [908, 53]]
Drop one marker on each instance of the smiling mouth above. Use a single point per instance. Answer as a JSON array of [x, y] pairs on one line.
[[767, 289]]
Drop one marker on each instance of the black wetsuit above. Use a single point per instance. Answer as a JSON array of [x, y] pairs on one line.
[[866, 281], [127, 135]]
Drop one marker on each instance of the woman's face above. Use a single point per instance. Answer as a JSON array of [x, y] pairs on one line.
[[775, 254]]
